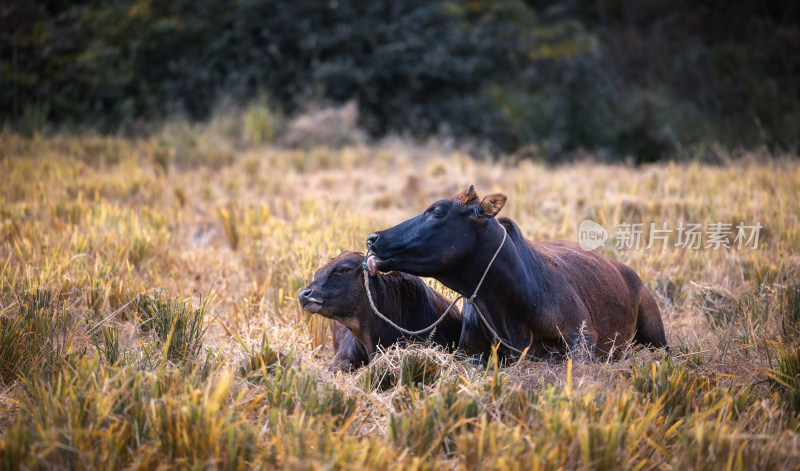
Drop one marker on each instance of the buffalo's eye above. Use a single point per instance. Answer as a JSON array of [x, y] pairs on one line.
[[343, 270], [436, 211]]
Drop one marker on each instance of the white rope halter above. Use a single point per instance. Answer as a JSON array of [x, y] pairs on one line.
[[470, 300]]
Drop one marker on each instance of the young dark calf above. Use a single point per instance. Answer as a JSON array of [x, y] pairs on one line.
[[338, 293], [547, 295]]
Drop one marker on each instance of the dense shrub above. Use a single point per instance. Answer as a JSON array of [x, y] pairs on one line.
[[626, 78]]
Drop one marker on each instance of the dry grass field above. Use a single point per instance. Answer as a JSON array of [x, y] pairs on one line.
[[149, 316]]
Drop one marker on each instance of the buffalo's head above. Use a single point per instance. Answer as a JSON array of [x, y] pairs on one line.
[[439, 240], [337, 291]]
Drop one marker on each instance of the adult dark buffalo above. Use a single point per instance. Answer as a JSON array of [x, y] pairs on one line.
[[338, 293], [549, 296]]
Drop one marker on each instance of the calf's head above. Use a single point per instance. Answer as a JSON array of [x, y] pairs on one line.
[[440, 239], [337, 291]]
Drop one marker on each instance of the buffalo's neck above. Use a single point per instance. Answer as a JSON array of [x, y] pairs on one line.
[[360, 331], [374, 331], [352, 347], [401, 300], [510, 289]]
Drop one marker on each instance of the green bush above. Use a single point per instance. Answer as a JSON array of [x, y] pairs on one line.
[[38, 339], [179, 327], [556, 77]]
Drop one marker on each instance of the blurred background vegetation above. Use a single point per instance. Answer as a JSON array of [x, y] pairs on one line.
[[547, 79]]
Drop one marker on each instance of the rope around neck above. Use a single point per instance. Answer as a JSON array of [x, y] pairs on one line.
[[470, 300]]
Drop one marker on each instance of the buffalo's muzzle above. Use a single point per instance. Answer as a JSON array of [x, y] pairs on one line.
[[306, 297]]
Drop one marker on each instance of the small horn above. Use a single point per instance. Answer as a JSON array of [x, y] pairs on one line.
[[470, 191]]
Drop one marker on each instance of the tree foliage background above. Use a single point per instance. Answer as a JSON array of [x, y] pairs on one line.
[[617, 77]]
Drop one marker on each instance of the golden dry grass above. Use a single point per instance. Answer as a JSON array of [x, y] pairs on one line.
[[185, 216]]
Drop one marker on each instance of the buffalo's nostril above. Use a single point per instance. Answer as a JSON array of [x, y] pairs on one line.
[[305, 295], [372, 239]]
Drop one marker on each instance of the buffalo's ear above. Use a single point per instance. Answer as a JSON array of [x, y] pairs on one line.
[[468, 195], [491, 205]]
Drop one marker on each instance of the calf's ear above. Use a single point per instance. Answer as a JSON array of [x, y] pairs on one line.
[[491, 205]]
